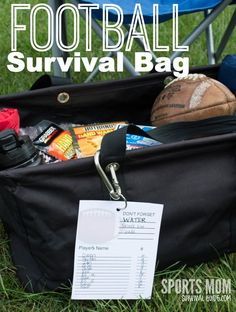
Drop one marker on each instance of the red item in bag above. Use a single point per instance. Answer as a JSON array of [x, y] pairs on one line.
[[9, 119]]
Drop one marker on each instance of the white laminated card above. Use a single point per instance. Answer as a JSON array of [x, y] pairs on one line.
[[115, 251]]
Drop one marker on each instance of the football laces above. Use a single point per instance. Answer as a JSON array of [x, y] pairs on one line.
[[188, 77]]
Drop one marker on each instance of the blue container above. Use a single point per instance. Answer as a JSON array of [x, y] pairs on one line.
[[227, 72]]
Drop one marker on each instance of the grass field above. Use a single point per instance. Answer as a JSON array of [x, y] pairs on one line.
[[12, 296]]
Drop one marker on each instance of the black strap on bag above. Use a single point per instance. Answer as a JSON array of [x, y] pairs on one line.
[[195, 129], [47, 81], [113, 146]]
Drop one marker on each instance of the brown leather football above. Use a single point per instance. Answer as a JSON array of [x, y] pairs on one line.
[[193, 97]]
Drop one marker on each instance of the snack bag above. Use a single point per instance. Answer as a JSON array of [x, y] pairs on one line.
[[89, 137], [62, 148], [136, 141], [56, 142]]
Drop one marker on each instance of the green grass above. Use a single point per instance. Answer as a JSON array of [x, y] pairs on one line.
[[12, 296]]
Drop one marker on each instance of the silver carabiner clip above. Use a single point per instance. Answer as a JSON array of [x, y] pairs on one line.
[[113, 187], [112, 168]]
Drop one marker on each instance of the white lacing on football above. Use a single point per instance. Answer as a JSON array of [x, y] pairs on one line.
[[188, 77]]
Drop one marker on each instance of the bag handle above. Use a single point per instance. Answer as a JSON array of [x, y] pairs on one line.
[[47, 81], [113, 148], [112, 153]]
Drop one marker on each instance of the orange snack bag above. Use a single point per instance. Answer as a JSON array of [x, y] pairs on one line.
[[61, 147], [90, 137]]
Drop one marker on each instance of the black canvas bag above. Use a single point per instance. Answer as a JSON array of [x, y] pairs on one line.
[[194, 179]]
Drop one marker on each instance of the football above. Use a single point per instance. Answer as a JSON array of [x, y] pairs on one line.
[[191, 98]]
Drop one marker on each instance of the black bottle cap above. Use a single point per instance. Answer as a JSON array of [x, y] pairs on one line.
[[15, 151]]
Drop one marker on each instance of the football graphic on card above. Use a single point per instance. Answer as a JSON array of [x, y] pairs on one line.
[[193, 97]]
